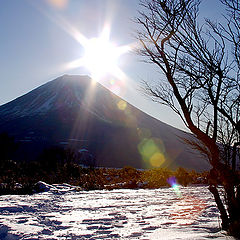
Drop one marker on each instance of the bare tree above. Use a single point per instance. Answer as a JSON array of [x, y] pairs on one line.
[[200, 65]]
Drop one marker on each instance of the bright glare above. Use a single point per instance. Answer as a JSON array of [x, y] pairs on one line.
[[100, 57]]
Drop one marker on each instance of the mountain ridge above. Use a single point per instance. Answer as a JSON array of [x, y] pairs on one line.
[[75, 107]]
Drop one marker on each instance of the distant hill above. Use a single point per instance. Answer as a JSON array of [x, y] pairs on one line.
[[75, 112]]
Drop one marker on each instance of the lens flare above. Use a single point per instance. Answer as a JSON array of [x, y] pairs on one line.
[[173, 183], [117, 86], [157, 159], [112, 82], [122, 105], [152, 152]]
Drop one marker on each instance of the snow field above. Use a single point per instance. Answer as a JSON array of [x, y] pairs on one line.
[[61, 213]]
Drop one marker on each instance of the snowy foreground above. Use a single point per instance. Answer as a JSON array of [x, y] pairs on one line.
[[63, 213]]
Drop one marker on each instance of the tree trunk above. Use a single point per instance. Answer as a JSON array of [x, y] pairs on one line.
[[234, 155], [223, 213]]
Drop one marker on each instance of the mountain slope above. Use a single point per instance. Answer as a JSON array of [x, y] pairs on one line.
[[78, 113]]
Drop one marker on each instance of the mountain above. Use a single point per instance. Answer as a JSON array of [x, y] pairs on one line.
[[78, 113]]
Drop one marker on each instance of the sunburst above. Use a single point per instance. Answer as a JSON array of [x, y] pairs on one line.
[[101, 56]]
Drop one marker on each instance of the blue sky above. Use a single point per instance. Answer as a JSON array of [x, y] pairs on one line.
[[34, 47]]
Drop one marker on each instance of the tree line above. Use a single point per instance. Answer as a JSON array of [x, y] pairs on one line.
[[59, 165]]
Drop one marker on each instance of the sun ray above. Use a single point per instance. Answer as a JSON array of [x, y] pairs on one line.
[[69, 28], [73, 64], [105, 35], [61, 23], [100, 56]]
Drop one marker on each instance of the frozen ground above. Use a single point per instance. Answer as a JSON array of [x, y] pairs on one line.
[[62, 213]]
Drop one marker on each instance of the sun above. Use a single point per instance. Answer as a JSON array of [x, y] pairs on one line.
[[100, 56]]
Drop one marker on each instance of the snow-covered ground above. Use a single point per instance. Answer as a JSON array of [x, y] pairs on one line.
[[62, 213]]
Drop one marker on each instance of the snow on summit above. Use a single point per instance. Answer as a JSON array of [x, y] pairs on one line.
[[67, 91], [54, 94]]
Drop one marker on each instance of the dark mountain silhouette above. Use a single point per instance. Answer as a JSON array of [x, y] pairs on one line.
[[75, 112]]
